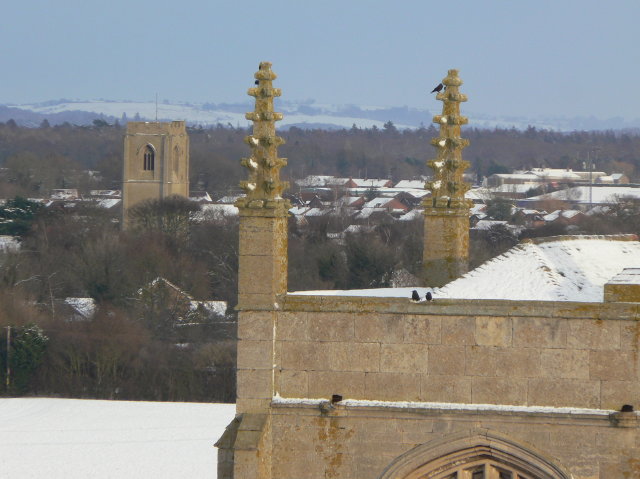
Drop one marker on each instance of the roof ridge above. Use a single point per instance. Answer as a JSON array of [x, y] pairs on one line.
[[550, 239]]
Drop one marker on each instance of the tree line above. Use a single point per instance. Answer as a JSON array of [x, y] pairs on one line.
[[35, 160]]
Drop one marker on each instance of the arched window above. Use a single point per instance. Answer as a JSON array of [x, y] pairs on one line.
[[149, 158], [473, 456]]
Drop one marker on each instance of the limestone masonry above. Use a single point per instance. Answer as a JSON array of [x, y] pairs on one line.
[[386, 388]]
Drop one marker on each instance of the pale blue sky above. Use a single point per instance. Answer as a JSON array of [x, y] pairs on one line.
[[520, 57]]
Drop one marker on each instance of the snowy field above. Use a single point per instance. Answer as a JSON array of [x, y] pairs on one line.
[[73, 438]]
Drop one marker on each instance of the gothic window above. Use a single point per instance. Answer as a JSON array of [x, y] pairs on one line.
[[149, 158], [473, 456], [484, 469]]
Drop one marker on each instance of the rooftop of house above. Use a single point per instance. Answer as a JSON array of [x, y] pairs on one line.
[[559, 268]]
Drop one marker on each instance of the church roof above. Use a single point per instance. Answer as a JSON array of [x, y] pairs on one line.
[[573, 268], [558, 268]]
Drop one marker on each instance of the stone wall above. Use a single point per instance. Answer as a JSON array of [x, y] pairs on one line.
[[407, 357]]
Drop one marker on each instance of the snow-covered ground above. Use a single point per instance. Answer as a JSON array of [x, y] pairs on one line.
[[73, 438]]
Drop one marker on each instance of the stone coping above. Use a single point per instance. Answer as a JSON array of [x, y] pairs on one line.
[[351, 407], [459, 307]]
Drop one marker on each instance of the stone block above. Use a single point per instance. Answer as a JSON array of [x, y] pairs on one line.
[[447, 360], [305, 355], [255, 354], [565, 363], [458, 331], [481, 361], [539, 333], [354, 356], [331, 327], [573, 439], [323, 384], [422, 329], [382, 329], [521, 363], [292, 326], [493, 331], [392, 386], [614, 365], [593, 334], [630, 335], [454, 389], [614, 394], [492, 390], [403, 358], [255, 325], [580, 393], [292, 384], [255, 383]]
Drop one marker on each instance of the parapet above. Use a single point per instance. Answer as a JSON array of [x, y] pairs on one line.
[[623, 287]]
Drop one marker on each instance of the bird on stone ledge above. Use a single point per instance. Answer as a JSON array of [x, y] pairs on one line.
[[438, 88], [415, 296], [429, 296]]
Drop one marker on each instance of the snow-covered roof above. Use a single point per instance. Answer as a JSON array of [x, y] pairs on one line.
[[370, 183], [487, 224], [9, 243], [216, 211], [560, 268], [86, 307], [411, 215], [410, 185], [551, 269], [218, 308], [599, 194]]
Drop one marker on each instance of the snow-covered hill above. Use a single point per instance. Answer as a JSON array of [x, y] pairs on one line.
[[301, 114], [79, 439]]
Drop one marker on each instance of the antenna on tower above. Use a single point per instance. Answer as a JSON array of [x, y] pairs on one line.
[[156, 107]]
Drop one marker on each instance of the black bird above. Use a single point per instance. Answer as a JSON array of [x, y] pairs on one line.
[[257, 82], [438, 88], [429, 296], [415, 296]]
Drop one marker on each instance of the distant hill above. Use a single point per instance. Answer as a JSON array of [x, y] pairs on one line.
[[306, 115]]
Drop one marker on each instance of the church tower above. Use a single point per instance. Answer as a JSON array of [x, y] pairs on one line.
[[446, 212], [156, 163]]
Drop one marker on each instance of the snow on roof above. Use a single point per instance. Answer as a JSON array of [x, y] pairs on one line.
[[369, 183], [217, 211], [411, 215], [218, 308], [86, 307], [628, 276], [321, 180], [600, 194], [108, 203], [410, 185], [487, 224], [558, 268], [298, 210], [551, 269], [376, 203]]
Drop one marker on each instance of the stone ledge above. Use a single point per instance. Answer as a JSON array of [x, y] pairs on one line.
[[358, 408], [462, 307]]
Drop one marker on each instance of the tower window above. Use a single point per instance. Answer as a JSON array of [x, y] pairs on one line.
[[149, 158]]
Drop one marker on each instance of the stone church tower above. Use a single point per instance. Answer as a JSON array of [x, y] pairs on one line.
[[156, 163], [446, 212]]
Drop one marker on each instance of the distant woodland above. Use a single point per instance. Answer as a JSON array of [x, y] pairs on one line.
[[38, 159], [137, 346]]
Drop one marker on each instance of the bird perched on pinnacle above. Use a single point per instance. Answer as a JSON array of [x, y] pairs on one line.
[[429, 296], [257, 82], [415, 296], [438, 88]]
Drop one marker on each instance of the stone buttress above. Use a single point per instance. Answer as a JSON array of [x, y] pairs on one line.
[[262, 280], [446, 212]]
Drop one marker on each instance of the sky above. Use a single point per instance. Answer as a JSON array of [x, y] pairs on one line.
[[522, 58]]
